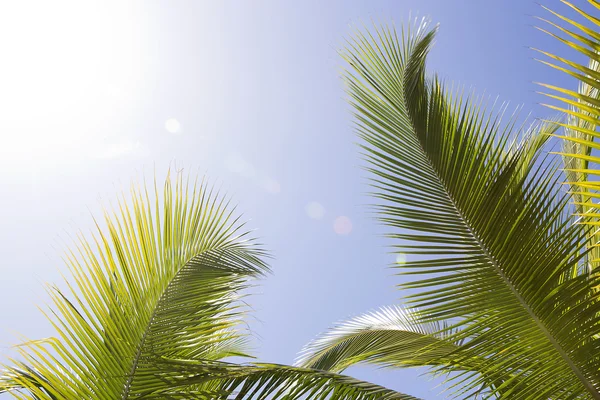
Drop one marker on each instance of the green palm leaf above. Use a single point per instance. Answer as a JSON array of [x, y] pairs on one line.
[[261, 381], [497, 245], [583, 112], [154, 304], [391, 337], [163, 280]]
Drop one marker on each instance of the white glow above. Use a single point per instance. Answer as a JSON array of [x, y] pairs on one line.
[[70, 69], [315, 210], [120, 148], [172, 125], [401, 259], [342, 225]]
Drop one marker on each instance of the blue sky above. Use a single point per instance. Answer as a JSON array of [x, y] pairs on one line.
[[252, 94]]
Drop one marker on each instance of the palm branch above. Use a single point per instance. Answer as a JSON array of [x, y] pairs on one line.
[[391, 337], [155, 304], [261, 381], [162, 280], [582, 108], [497, 254]]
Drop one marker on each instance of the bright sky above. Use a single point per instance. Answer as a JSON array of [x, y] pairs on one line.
[[94, 94]]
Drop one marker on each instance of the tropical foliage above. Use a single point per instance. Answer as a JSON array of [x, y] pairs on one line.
[[503, 260], [154, 307], [502, 277]]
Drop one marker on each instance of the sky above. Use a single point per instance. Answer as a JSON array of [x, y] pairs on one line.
[[97, 94]]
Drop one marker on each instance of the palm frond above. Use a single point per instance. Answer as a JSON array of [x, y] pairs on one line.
[[392, 337], [163, 279], [209, 379], [583, 112], [577, 129], [218, 380], [395, 338], [497, 246], [155, 306]]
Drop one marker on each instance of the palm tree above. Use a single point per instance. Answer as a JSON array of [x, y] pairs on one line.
[[505, 299]]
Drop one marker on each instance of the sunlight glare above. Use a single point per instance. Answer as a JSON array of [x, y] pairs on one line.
[[172, 125], [69, 68]]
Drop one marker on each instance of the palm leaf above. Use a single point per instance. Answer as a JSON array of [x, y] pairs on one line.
[[391, 337], [218, 380], [155, 305], [163, 280], [497, 245], [583, 112], [395, 338], [208, 379]]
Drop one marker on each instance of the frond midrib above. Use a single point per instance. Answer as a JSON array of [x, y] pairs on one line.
[[136, 359], [131, 376], [541, 326]]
